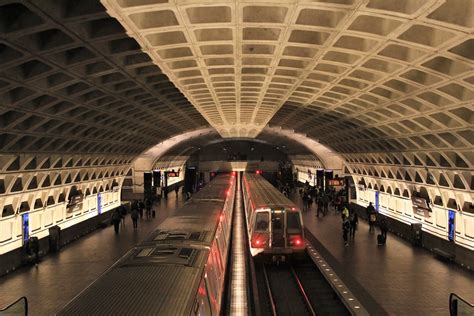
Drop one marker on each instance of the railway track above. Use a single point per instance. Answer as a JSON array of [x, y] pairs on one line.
[[296, 288]]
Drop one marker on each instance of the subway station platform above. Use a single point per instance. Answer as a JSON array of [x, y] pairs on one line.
[[396, 279], [59, 277]]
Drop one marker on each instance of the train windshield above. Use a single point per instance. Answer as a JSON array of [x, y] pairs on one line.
[[293, 221], [261, 224]]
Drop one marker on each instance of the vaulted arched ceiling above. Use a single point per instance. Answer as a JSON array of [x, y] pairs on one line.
[[387, 84]]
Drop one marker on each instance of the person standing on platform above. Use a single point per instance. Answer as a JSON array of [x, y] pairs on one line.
[[123, 213], [345, 231], [148, 205], [354, 220], [371, 215], [325, 203], [305, 201], [116, 218], [176, 190], [134, 217], [320, 206], [141, 206]]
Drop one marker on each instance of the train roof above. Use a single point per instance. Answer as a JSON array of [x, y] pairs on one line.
[[161, 275], [155, 280], [264, 194]]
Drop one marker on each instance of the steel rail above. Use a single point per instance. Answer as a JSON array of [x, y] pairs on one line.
[[302, 291], [269, 290]]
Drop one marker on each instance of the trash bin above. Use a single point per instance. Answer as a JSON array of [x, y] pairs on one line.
[[54, 238], [416, 233]]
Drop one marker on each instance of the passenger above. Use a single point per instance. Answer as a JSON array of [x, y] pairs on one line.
[[345, 213], [326, 203], [354, 220], [148, 205], [33, 244], [176, 190], [134, 217], [345, 231], [383, 228], [320, 206], [123, 213], [116, 218], [372, 217], [369, 210], [141, 207], [305, 201]]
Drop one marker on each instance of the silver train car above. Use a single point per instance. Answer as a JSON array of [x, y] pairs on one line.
[[179, 270], [274, 223]]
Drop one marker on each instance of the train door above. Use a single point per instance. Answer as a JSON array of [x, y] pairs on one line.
[[278, 232]]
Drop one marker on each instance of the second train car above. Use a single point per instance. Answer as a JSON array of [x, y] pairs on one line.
[[274, 223]]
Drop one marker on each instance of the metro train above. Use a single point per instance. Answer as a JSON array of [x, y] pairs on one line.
[[274, 223], [179, 270]]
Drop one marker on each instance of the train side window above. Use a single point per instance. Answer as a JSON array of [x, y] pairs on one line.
[[261, 223], [293, 221]]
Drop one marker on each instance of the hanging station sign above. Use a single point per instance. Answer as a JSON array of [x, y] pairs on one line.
[[420, 206]]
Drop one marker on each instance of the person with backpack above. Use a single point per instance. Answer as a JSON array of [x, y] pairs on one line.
[[372, 217]]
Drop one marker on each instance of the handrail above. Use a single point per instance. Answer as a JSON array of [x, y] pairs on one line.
[[459, 306], [16, 308]]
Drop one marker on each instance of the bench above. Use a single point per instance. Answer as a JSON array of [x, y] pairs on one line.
[[443, 254]]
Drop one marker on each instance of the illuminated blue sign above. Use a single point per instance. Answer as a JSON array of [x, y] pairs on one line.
[[451, 228], [99, 203], [377, 201], [26, 227]]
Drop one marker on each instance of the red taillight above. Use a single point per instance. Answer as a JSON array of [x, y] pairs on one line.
[[259, 241], [293, 208], [296, 240], [221, 218]]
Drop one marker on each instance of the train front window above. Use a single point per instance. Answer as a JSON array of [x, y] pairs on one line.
[[261, 223], [293, 221], [277, 221]]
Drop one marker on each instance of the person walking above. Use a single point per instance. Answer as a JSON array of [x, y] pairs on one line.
[[134, 216], [176, 190], [345, 213], [141, 206], [148, 205], [320, 206], [345, 231], [116, 218], [326, 203], [123, 213], [354, 220]]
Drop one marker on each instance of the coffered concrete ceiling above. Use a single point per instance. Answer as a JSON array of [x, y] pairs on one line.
[[387, 85], [350, 61]]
